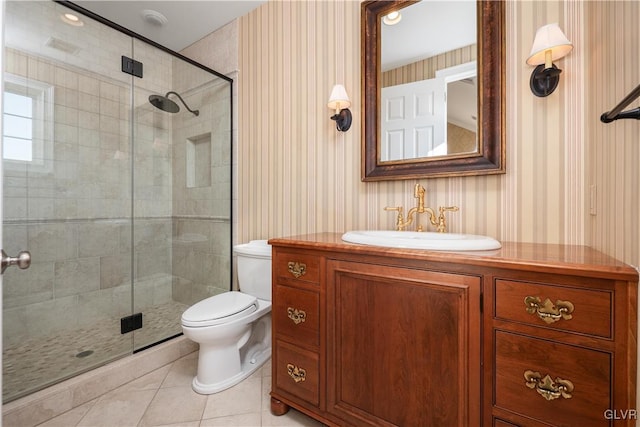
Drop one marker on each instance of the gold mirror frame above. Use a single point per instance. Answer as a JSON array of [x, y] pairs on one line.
[[490, 158]]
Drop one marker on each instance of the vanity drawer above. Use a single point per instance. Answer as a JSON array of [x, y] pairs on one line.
[[500, 423], [295, 314], [585, 311], [296, 371], [519, 357], [297, 267]]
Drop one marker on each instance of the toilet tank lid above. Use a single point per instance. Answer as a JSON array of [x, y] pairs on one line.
[[254, 247], [219, 307]]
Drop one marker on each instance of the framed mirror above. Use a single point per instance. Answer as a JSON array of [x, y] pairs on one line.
[[395, 144]]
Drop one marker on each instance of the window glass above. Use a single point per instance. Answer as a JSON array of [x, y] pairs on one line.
[[17, 127]]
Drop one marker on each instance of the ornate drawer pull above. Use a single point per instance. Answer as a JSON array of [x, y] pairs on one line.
[[547, 311], [297, 268], [298, 374], [298, 316], [548, 388]]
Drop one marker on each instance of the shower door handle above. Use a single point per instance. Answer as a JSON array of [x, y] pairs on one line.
[[23, 260]]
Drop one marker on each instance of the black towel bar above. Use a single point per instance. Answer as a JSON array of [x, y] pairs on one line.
[[616, 113]]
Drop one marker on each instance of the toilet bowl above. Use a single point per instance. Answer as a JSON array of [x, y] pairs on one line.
[[233, 329]]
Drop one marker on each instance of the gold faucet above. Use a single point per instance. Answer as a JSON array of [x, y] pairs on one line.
[[401, 223], [439, 222]]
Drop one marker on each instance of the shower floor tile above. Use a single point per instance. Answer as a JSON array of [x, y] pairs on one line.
[[40, 362]]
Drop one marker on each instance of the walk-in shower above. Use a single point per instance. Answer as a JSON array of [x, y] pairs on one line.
[[125, 208]]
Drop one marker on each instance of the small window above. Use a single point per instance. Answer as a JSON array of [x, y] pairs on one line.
[[17, 127], [27, 123]]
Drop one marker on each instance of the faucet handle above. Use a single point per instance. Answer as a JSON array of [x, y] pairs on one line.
[[399, 219], [442, 220], [443, 209]]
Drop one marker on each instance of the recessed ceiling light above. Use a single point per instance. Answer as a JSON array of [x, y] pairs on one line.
[[71, 19], [392, 18], [154, 17]]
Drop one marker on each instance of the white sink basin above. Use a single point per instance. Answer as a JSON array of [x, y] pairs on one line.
[[422, 240]]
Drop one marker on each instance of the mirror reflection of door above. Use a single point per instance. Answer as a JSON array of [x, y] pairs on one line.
[[414, 120], [432, 40]]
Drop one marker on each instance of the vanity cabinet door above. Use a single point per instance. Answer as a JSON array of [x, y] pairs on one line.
[[403, 346]]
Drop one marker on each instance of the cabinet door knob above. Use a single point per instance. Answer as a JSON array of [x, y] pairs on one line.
[[297, 268], [548, 388], [297, 316], [547, 311], [298, 374]]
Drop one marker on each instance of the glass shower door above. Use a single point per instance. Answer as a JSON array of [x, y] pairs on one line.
[[67, 195], [182, 190]]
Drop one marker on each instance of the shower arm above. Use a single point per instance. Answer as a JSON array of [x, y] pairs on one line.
[[616, 114], [195, 112]]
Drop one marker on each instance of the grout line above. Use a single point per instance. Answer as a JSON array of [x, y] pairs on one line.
[[156, 391]]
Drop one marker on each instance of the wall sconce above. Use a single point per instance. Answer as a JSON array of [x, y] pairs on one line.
[[339, 101], [550, 44]]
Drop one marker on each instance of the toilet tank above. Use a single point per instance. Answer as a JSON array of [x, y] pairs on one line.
[[254, 268]]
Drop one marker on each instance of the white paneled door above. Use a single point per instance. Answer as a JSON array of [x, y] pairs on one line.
[[414, 120]]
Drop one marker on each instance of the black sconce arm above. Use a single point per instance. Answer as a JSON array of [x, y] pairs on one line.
[[616, 113]]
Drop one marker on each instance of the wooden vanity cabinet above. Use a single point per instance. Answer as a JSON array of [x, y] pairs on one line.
[[381, 343], [527, 336]]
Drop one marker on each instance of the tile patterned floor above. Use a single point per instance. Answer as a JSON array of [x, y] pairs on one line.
[[164, 398], [38, 362]]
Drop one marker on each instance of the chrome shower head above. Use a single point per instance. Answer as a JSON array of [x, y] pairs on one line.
[[165, 104]]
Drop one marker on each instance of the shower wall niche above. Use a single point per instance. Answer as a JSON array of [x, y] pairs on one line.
[[103, 200], [199, 161]]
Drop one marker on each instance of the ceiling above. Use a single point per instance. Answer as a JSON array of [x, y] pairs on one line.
[[429, 22], [187, 21], [428, 28]]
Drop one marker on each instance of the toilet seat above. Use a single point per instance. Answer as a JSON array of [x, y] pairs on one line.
[[219, 309]]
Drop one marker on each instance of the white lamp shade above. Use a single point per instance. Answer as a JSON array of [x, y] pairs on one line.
[[339, 98], [549, 37]]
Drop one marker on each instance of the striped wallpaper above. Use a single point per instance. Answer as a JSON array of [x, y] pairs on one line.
[[297, 174], [613, 150], [426, 68]]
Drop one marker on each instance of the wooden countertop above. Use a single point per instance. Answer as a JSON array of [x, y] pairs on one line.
[[578, 260]]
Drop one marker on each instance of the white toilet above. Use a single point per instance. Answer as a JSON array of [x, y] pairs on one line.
[[233, 329]]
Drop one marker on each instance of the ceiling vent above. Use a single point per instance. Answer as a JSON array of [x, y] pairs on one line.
[[62, 45], [154, 17]]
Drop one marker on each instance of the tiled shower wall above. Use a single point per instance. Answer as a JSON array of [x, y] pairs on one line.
[[202, 204], [75, 216]]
